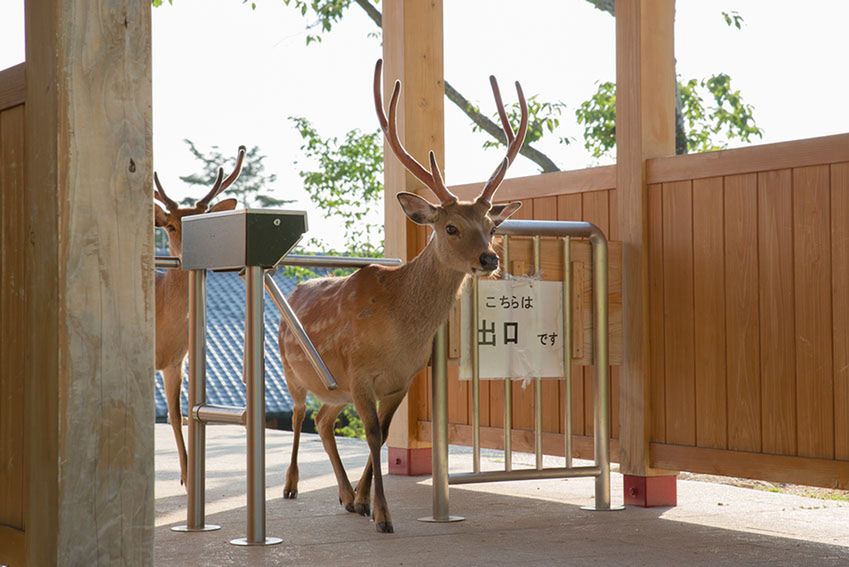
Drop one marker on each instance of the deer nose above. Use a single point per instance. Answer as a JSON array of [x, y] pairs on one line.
[[489, 261]]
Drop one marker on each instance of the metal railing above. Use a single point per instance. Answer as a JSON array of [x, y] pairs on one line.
[[564, 230], [253, 415]]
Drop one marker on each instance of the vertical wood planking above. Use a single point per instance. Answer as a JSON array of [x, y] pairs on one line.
[[545, 208], [709, 311], [777, 340], [741, 313], [812, 252], [614, 370], [13, 330], [569, 208], [678, 312], [523, 396], [840, 293], [657, 379], [596, 209]]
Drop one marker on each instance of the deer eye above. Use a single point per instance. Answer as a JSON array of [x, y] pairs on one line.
[[492, 230], [451, 229]]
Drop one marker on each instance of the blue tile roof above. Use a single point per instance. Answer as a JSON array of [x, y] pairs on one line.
[[225, 306]]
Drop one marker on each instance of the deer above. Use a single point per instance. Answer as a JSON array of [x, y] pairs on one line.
[[374, 328], [172, 295]]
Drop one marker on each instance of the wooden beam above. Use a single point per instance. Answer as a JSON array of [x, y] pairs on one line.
[[12, 86], [558, 183], [645, 128], [90, 288], [412, 52]]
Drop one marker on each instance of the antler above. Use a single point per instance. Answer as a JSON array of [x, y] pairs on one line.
[[220, 183], [432, 179], [514, 141], [159, 195]]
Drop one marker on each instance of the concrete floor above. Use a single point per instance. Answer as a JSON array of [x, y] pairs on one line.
[[523, 523]]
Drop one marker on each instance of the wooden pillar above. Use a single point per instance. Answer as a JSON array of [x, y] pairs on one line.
[[90, 296], [645, 128], [412, 52]]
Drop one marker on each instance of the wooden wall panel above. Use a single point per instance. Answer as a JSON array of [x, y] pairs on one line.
[[741, 314], [596, 209], [812, 252], [777, 341], [13, 327], [678, 313], [613, 235], [658, 377], [545, 208], [569, 207], [840, 294], [709, 313]]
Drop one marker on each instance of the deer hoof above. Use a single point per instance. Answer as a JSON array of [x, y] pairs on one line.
[[290, 494], [362, 508], [385, 527]]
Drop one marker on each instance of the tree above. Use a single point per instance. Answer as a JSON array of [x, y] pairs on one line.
[[252, 189], [709, 125]]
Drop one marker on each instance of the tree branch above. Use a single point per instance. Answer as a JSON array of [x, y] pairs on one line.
[[604, 5], [484, 122]]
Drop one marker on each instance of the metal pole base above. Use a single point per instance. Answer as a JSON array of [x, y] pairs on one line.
[[204, 528], [611, 508], [449, 519], [243, 541]]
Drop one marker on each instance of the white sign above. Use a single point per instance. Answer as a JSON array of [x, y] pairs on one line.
[[520, 329]]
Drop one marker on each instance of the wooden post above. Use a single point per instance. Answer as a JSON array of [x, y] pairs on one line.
[[645, 128], [412, 52], [90, 288]]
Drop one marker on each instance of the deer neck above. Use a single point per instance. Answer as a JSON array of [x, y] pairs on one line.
[[430, 288]]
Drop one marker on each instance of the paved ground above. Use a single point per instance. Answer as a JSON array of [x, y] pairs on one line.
[[526, 523]]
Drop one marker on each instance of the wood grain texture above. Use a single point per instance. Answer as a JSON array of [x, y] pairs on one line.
[[709, 312], [412, 53], [777, 340], [569, 207], [766, 157], [645, 128], [616, 276], [90, 293], [13, 324], [812, 268], [776, 468], [546, 184], [741, 313], [13, 87], [678, 313], [840, 306], [657, 380]]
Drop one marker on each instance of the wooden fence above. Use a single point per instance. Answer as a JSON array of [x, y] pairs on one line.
[[13, 331], [749, 303]]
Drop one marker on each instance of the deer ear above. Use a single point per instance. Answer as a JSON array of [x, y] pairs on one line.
[[417, 209], [225, 205], [160, 217], [500, 213]]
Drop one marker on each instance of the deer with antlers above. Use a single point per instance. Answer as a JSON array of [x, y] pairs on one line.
[[172, 290], [374, 328]]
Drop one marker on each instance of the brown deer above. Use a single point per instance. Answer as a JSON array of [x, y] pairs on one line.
[[374, 328], [172, 295]]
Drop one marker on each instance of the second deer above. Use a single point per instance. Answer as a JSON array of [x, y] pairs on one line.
[[374, 328], [172, 295]]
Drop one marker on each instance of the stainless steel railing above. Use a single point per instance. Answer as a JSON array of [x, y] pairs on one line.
[[564, 230], [253, 415]]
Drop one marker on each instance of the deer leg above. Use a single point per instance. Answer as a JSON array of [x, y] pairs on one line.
[[385, 411], [367, 409], [173, 379], [325, 422], [290, 489]]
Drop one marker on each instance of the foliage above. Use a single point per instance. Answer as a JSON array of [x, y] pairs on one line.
[[348, 424], [346, 183], [543, 117], [714, 114], [326, 14], [733, 18], [251, 189]]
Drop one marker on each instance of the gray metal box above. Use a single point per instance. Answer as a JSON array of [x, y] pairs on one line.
[[231, 240]]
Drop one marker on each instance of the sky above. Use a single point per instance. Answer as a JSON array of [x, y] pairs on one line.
[[225, 75]]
